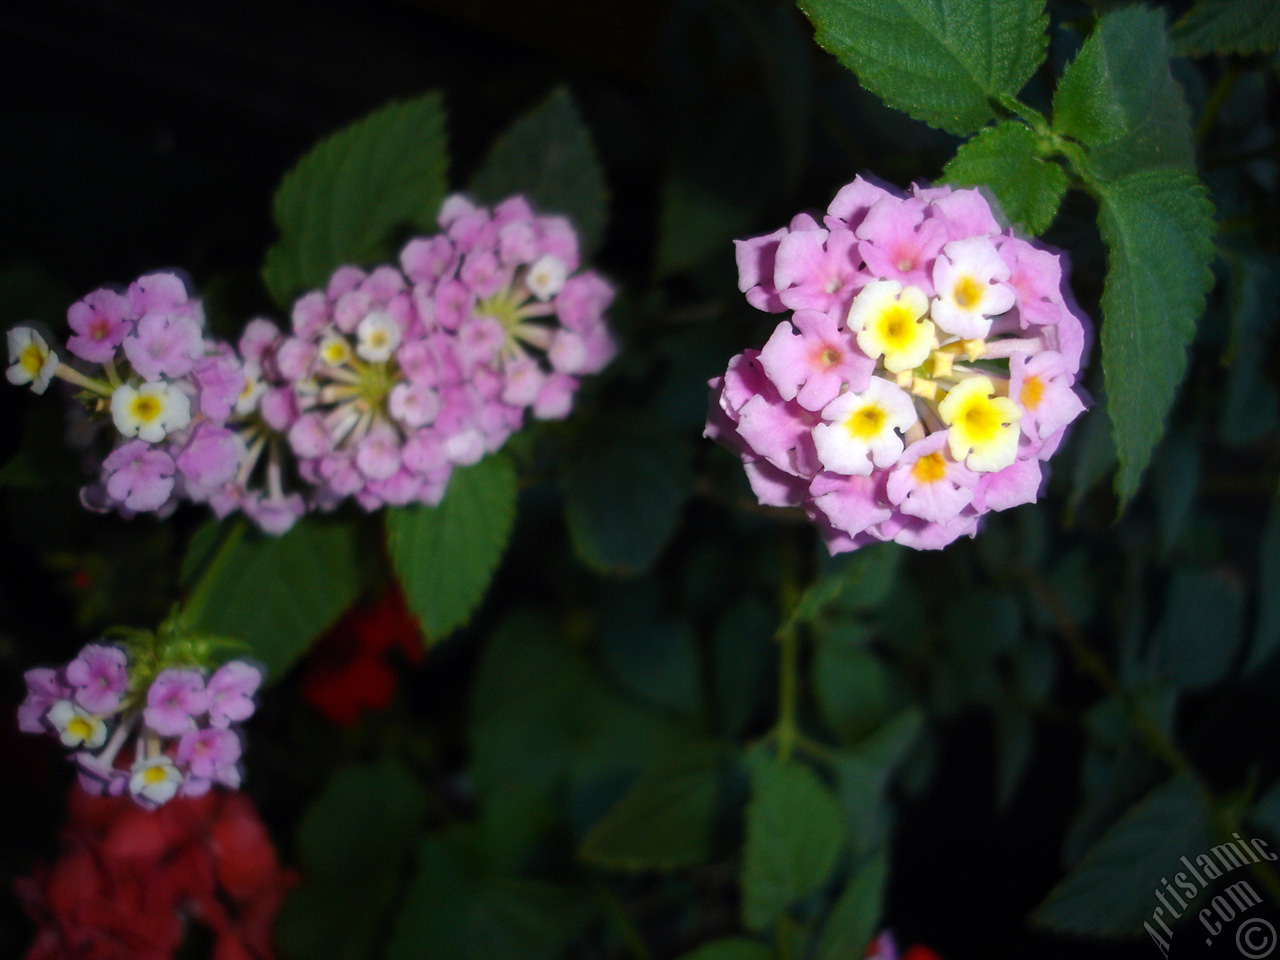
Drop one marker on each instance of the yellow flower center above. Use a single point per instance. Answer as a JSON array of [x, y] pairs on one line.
[[153, 775], [80, 728], [981, 420], [32, 359], [829, 357], [929, 469], [335, 351], [1032, 392], [145, 407], [897, 327], [967, 292], [866, 422]]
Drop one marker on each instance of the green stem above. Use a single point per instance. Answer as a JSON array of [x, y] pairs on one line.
[[789, 655], [198, 597]]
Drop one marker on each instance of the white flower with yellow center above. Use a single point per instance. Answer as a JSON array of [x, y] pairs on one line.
[[156, 779], [335, 350], [546, 276], [150, 411], [31, 359], [77, 727], [968, 278], [889, 322], [378, 337], [984, 427], [861, 429]]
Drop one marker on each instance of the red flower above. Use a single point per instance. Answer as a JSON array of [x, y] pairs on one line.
[[130, 879], [348, 672]]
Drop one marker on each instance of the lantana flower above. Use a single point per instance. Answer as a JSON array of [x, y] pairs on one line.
[[141, 701], [926, 386]]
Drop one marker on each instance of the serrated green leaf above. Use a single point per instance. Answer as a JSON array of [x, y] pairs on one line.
[[278, 594], [855, 916], [445, 555], [1158, 229], [1109, 891], [624, 482], [793, 837], [345, 198], [1005, 159], [1119, 98], [547, 155], [353, 841], [730, 948], [663, 822], [1228, 26], [941, 61]]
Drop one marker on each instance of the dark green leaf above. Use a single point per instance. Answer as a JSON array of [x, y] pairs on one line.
[[1095, 455], [942, 61], [1005, 158], [1158, 228], [1266, 632], [456, 908], [859, 582], [353, 842], [853, 689], [531, 735], [730, 948], [793, 837], [624, 483], [1228, 26], [1119, 98], [663, 822], [742, 659], [278, 594], [1201, 629], [1251, 407], [344, 199], [1109, 891], [695, 223], [446, 555], [547, 155], [863, 775], [856, 915], [1015, 732], [1175, 474], [653, 656]]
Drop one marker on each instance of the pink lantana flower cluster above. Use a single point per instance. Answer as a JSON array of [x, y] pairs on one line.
[[386, 381], [926, 371], [147, 368], [394, 377], [142, 726]]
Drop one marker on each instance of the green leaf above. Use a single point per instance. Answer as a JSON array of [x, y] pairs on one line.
[[730, 948], [694, 223], [863, 775], [1175, 474], [1158, 229], [942, 61], [1228, 26], [344, 199], [457, 908], [860, 581], [533, 735], [624, 482], [278, 594], [743, 656], [446, 555], [654, 655], [853, 689], [663, 822], [1251, 407], [1266, 632], [547, 155], [1006, 159], [1109, 891], [1118, 98], [854, 918], [793, 837], [353, 841], [1201, 630]]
